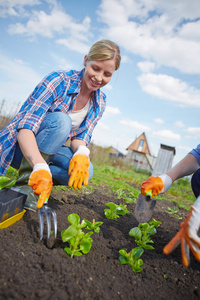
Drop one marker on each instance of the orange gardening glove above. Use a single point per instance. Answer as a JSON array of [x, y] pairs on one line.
[[78, 171], [187, 236], [41, 182], [157, 185], [79, 168]]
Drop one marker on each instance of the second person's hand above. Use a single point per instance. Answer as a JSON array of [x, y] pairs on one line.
[[157, 185]]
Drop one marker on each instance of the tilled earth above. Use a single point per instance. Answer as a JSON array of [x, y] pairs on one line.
[[34, 269]]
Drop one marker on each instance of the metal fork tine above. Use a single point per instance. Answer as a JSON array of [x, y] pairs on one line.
[[41, 223], [54, 222], [47, 211]]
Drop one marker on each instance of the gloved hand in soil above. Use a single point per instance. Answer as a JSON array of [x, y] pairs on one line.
[[157, 185], [79, 168], [41, 182], [187, 236]]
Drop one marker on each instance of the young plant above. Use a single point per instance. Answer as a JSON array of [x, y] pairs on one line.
[[6, 182], [132, 258], [120, 193], [143, 232], [142, 235], [174, 212], [115, 210], [79, 242], [93, 225]]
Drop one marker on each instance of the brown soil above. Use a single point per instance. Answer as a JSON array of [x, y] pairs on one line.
[[34, 269]]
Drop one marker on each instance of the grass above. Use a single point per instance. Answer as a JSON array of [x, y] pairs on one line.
[[125, 182]]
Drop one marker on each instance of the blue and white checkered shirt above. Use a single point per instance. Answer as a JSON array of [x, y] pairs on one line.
[[56, 92]]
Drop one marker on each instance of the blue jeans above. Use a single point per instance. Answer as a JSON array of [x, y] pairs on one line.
[[51, 136]]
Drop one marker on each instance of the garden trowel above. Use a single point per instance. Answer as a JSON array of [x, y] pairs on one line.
[[144, 208]]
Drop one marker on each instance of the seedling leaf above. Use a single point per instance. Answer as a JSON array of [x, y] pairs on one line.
[[136, 233], [74, 219]]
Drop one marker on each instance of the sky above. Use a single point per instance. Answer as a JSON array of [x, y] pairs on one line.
[[157, 87]]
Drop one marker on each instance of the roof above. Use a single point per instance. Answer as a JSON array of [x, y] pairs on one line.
[[169, 148], [135, 145]]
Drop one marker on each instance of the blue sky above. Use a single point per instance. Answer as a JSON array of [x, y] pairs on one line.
[[157, 88]]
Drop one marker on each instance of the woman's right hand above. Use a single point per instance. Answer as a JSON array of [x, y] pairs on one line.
[[41, 182]]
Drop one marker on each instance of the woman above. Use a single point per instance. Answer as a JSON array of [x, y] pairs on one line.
[[64, 105]]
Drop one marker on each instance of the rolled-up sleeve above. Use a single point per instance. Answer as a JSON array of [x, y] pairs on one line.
[[196, 153], [40, 101]]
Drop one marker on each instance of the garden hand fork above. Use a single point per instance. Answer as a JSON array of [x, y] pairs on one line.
[[48, 212]]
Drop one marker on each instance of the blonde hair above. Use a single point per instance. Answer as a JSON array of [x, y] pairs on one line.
[[103, 50]]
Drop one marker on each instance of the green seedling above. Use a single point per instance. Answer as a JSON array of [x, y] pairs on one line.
[[130, 200], [120, 193], [132, 197], [142, 235], [174, 212], [93, 225], [143, 232], [115, 210], [132, 258], [6, 182], [79, 242]]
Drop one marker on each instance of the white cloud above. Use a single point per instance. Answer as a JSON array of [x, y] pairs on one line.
[[146, 66], [15, 7], [189, 32], [61, 62], [179, 124], [194, 131], [134, 124], [184, 148], [49, 25], [155, 30], [124, 59], [56, 24], [158, 121], [73, 44], [108, 87], [102, 126], [169, 88], [18, 79], [166, 135], [110, 111]]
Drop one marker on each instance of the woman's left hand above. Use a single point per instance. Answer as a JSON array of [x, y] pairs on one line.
[[79, 168], [78, 171]]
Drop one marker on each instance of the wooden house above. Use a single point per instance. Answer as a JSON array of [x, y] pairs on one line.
[[139, 154], [115, 153]]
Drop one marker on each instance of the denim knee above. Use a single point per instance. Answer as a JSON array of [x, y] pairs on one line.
[[61, 176], [53, 132], [195, 183], [60, 165]]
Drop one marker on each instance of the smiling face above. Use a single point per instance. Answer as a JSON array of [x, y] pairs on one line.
[[97, 73]]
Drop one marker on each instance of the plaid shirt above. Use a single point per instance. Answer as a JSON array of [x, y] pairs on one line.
[[56, 92]]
